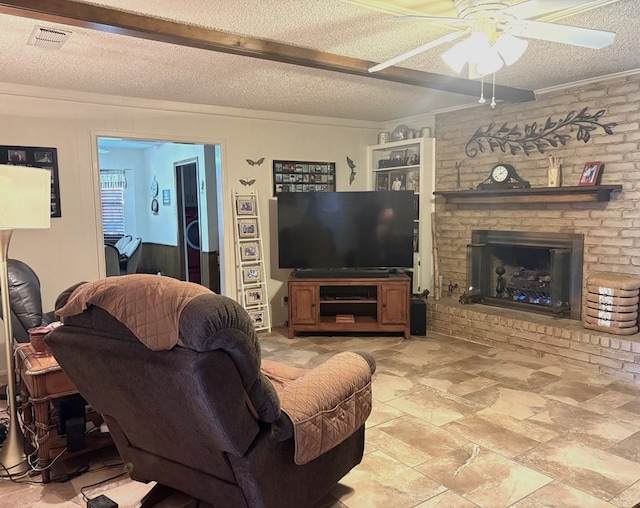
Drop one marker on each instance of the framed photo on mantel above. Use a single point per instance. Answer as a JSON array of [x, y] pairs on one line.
[[36, 157]]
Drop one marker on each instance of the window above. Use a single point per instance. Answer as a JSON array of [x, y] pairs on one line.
[[112, 185], [112, 214]]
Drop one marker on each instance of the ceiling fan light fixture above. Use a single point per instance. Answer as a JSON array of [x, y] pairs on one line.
[[490, 62], [456, 57], [476, 46], [510, 48]]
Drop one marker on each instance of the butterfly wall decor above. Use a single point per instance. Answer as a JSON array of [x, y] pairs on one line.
[[247, 183], [352, 165], [256, 162]]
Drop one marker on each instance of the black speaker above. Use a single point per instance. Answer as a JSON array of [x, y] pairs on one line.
[[418, 317], [70, 406]]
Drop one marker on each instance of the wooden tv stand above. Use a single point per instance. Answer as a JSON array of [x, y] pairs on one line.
[[379, 304]]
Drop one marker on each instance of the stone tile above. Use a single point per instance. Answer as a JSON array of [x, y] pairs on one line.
[[628, 448], [483, 477], [556, 494], [576, 424], [491, 435], [388, 386], [629, 497], [572, 392], [434, 406], [447, 499], [381, 412], [413, 441], [472, 385], [519, 377], [566, 371], [609, 400], [475, 364], [523, 427], [596, 472], [381, 480], [516, 403]]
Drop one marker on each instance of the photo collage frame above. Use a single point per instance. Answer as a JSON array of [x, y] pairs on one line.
[[36, 157], [299, 176]]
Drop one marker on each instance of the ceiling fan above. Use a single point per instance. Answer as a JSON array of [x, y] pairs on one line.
[[497, 24]]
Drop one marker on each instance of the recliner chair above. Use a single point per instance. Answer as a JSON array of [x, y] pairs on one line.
[[25, 300], [175, 371]]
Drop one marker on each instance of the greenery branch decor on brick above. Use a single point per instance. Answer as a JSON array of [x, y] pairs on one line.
[[536, 138]]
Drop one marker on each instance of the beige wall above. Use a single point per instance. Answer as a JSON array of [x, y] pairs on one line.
[[611, 229], [72, 249]]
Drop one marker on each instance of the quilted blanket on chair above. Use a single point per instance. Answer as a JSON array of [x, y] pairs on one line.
[[129, 298], [326, 404]]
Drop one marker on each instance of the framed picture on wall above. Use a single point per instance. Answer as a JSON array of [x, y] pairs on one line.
[[591, 173], [37, 157], [303, 176]]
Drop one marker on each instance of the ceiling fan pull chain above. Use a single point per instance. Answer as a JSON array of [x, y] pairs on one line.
[[493, 97], [482, 100]]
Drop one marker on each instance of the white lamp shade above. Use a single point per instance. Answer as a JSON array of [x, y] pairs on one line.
[[25, 197], [510, 48]]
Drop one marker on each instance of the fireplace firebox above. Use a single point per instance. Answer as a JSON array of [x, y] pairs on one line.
[[536, 272]]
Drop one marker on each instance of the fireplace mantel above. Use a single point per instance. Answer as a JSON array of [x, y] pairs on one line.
[[581, 194]]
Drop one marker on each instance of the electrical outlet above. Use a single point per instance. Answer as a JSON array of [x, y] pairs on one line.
[[285, 301]]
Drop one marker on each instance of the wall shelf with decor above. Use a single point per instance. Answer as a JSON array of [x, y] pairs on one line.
[[409, 165], [580, 194]]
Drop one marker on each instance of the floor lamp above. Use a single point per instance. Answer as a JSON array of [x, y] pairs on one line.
[[25, 203]]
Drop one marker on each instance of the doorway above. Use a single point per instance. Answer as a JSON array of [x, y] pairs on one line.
[[187, 176], [189, 237]]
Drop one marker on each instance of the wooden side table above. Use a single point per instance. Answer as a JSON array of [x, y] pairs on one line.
[[42, 382]]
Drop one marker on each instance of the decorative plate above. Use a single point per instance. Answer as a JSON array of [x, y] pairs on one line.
[[399, 133]]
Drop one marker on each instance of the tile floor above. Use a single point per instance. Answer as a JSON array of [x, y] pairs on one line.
[[454, 425]]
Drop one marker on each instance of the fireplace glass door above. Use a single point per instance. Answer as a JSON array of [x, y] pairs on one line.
[[528, 271]]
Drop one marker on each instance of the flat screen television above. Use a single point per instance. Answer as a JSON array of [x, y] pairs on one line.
[[345, 230]]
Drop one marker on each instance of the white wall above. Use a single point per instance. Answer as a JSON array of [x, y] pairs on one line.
[[72, 250]]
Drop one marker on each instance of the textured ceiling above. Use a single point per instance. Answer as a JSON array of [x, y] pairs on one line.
[[106, 63]]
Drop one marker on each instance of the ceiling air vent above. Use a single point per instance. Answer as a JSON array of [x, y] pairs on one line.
[[44, 37]]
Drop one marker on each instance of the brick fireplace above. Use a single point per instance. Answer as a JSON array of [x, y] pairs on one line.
[[609, 229]]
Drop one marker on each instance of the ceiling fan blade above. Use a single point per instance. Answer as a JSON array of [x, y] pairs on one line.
[[437, 19], [537, 8], [432, 44], [565, 34]]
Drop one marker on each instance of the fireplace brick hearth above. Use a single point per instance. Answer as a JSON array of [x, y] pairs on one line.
[[611, 229], [538, 335]]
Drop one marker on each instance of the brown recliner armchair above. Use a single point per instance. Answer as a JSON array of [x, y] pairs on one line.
[[176, 372]]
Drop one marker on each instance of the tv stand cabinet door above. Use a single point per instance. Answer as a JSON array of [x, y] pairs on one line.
[[303, 303], [394, 303]]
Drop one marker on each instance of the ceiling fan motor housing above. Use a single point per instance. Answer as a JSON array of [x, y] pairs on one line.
[[477, 9]]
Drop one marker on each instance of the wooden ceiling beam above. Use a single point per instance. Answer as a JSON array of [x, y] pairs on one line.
[[73, 13]]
